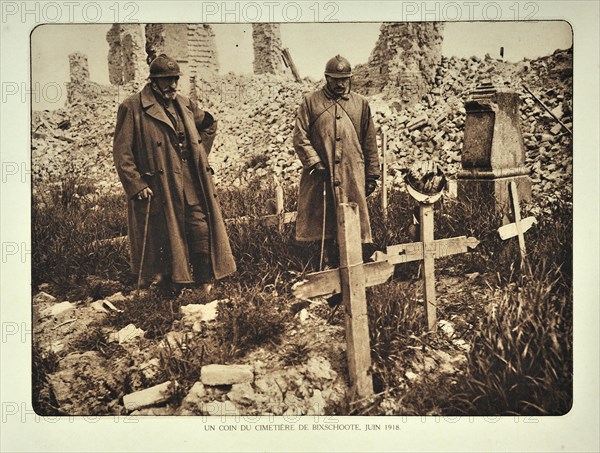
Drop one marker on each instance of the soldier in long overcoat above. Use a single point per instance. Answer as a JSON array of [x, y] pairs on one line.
[[160, 149], [334, 137]]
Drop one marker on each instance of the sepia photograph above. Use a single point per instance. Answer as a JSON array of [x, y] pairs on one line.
[[228, 219]]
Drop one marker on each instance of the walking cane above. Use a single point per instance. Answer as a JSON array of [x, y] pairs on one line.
[[139, 280], [323, 227]]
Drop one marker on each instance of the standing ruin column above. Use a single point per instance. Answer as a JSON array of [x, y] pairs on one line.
[[266, 39], [79, 76], [403, 63], [126, 55]]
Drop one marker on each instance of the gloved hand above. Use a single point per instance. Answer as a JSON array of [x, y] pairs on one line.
[[318, 169], [370, 185]]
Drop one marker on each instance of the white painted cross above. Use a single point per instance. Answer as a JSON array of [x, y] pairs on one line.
[[520, 226]]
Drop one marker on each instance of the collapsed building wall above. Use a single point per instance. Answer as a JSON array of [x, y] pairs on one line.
[[191, 45], [403, 63], [126, 56], [266, 39]]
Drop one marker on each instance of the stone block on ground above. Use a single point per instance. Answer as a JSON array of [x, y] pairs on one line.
[[126, 334], [226, 374], [117, 297], [152, 396], [418, 122], [58, 309], [43, 297], [199, 312]]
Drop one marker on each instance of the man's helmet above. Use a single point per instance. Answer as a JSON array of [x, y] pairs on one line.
[[164, 66], [338, 68], [425, 181]]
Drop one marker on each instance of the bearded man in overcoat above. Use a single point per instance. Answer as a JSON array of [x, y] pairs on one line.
[[161, 145]]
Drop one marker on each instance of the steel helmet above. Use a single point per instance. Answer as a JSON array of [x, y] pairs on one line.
[[425, 181], [338, 68], [164, 66]]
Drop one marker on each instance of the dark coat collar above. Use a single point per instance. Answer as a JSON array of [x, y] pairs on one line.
[[153, 108]]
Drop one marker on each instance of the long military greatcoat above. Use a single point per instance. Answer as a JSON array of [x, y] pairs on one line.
[[145, 155], [339, 133]]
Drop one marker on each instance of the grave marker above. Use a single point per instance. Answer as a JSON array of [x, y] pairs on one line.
[[520, 226], [493, 151], [354, 276]]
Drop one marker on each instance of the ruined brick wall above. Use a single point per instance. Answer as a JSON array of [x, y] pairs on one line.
[[192, 45], [126, 56], [78, 68], [202, 51], [267, 49], [403, 63]]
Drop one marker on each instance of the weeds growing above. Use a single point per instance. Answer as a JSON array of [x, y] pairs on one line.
[[520, 361]]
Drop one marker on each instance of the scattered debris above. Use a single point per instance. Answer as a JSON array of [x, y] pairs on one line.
[[226, 374], [152, 396], [126, 334]]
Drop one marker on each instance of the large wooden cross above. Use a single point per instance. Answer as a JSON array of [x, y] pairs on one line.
[[353, 277]]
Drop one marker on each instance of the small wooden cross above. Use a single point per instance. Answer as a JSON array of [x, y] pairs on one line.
[[520, 226], [427, 250]]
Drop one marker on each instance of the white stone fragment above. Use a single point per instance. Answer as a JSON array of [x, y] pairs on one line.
[[126, 334], [226, 374], [43, 297], [149, 397], [58, 309]]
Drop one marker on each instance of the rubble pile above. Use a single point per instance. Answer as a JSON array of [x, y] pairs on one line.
[[256, 119], [76, 141]]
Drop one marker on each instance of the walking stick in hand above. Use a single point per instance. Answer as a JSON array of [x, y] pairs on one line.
[[139, 280]]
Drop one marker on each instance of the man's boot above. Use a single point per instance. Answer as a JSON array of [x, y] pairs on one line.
[[202, 271]]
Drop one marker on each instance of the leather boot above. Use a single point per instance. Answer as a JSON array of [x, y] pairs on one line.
[[202, 271]]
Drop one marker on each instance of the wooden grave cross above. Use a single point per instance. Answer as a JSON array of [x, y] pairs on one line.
[[427, 250], [520, 226], [353, 277]]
